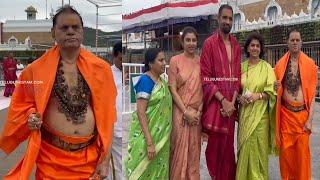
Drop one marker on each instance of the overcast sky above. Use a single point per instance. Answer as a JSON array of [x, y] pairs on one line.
[[14, 9], [135, 5]]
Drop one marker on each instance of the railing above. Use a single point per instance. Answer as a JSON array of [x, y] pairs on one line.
[[275, 52], [128, 70]]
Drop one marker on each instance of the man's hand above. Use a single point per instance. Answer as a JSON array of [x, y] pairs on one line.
[[308, 126], [34, 121], [101, 171], [223, 113], [228, 108]]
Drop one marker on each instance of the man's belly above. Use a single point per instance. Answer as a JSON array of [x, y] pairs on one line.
[[288, 97], [57, 121]]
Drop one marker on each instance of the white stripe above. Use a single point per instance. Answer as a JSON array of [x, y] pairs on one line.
[[169, 12]]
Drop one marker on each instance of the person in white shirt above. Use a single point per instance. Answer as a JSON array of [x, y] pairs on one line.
[[115, 172], [20, 67]]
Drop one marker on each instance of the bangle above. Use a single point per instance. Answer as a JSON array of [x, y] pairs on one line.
[[222, 99], [260, 96]]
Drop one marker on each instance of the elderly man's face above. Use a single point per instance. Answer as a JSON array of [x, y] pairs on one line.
[[68, 31]]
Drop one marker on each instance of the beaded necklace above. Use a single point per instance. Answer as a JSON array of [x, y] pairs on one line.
[[73, 102]]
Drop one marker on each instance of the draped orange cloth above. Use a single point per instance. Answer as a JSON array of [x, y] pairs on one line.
[[71, 165], [32, 94], [294, 153], [291, 138]]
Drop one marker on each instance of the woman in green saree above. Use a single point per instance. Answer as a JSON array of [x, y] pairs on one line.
[[149, 133], [257, 113]]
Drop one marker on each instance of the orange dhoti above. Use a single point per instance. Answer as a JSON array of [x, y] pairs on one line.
[[291, 137], [294, 150], [56, 163]]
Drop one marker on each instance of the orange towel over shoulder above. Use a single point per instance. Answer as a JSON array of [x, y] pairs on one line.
[[32, 94], [290, 135]]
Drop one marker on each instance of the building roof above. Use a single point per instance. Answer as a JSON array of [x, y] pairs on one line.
[[43, 25], [31, 9], [167, 10]]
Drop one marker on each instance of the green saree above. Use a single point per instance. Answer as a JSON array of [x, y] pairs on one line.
[[159, 114], [256, 128]]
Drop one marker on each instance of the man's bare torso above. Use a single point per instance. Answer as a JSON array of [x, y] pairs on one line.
[[57, 120], [229, 51], [287, 96]]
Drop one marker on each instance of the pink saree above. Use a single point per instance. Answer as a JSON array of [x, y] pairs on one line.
[[185, 139]]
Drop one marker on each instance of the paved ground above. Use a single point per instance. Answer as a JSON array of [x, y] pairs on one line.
[[274, 171], [11, 160]]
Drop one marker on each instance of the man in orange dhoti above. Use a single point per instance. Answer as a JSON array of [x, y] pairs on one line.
[[296, 83], [65, 105]]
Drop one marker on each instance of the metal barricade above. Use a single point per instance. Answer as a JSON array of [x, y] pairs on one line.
[[129, 70]]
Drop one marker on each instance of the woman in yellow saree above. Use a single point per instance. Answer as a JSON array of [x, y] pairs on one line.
[[256, 128], [149, 133]]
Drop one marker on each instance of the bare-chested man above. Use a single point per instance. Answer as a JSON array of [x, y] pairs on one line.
[[67, 110], [220, 74], [297, 81]]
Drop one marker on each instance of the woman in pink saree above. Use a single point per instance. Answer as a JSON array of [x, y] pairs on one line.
[[9, 67], [186, 89]]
